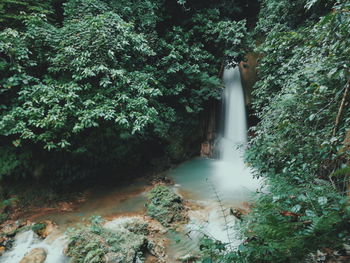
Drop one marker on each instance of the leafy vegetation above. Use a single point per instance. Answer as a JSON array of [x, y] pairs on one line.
[[103, 87], [87, 85], [165, 206], [125, 240]]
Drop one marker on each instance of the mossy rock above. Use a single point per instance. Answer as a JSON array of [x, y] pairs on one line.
[[121, 242], [165, 206], [38, 228]]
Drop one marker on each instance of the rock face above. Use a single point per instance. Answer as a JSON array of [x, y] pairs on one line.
[[37, 255], [206, 149]]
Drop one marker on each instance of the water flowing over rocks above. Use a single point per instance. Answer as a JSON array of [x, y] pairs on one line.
[[28, 247], [37, 255], [8, 231]]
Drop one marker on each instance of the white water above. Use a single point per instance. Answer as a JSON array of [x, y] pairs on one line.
[[226, 178], [230, 176], [26, 241], [235, 121]]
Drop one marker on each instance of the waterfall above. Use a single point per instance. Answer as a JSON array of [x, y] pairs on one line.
[[234, 125], [230, 176], [229, 182]]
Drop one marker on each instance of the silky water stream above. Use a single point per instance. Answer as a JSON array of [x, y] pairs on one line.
[[218, 185], [212, 186]]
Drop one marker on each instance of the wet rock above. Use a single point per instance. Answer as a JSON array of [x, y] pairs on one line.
[[2, 250], [165, 206], [3, 239], [236, 213], [156, 249], [44, 228], [37, 255], [206, 149], [9, 228], [6, 242]]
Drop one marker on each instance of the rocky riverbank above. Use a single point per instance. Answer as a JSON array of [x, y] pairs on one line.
[[139, 238]]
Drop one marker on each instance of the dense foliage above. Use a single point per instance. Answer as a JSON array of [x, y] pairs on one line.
[[91, 87], [95, 87], [301, 145]]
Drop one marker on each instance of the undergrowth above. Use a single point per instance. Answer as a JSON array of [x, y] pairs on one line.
[[165, 206]]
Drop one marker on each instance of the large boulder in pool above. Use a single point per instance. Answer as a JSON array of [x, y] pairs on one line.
[[37, 255], [165, 206]]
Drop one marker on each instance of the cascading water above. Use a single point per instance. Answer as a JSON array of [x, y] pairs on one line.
[[234, 124], [230, 175], [26, 241], [226, 178]]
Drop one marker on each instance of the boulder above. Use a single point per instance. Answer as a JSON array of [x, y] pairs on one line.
[[9, 228], [37, 255], [2, 250], [166, 206], [6, 242], [44, 228]]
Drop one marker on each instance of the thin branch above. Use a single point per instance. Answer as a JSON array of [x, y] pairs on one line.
[[222, 209], [341, 108], [221, 71]]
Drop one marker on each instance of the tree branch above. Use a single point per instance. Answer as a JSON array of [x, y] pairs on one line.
[[341, 108]]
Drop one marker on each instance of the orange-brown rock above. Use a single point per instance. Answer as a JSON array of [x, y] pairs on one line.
[[206, 149], [47, 230], [2, 250], [37, 255]]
